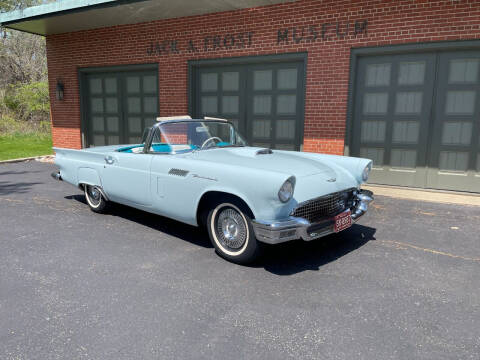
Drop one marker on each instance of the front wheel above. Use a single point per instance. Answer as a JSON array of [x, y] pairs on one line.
[[95, 199], [231, 233]]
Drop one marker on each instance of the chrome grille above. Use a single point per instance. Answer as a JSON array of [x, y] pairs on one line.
[[326, 206]]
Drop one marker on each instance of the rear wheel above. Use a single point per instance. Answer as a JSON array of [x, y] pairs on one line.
[[231, 233], [95, 199]]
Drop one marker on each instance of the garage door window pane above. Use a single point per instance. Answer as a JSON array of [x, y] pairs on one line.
[[262, 104], [112, 124], [373, 131], [261, 128], [230, 104], [135, 125], [405, 132], [286, 104], [149, 121], [408, 102], [133, 84], [375, 103], [150, 105], [99, 140], [456, 133], [111, 105], [95, 86], [463, 71], [288, 147], [453, 160], [262, 80], [134, 105], [411, 73], [262, 145], [209, 104], [98, 124], [230, 81], [378, 75], [113, 140], [285, 129], [111, 85], [287, 79], [209, 82], [460, 102], [97, 105], [403, 158], [135, 140], [373, 153], [150, 84]]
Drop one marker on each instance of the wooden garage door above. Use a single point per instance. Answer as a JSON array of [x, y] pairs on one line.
[[417, 117], [119, 105], [265, 101]]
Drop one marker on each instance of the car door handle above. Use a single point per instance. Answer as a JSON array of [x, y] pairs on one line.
[[109, 159]]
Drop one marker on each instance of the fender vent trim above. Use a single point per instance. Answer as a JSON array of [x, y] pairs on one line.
[[178, 172]]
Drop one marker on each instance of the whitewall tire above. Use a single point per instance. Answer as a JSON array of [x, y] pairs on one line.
[[95, 200], [231, 233]]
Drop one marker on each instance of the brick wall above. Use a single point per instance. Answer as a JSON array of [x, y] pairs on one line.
[[312, 27]]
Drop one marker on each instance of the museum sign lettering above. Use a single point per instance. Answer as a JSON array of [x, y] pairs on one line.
[[310, 33], [325, 31]]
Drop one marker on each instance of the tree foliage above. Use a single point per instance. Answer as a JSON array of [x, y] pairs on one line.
[[22, 58], [23, 71], [9, 5]]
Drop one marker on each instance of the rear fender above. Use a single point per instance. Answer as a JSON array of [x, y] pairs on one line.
[[88, 176]]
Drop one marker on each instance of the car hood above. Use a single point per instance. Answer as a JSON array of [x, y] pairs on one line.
[[286, 162]]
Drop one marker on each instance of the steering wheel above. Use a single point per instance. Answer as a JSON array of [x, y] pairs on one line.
[[210, 139]]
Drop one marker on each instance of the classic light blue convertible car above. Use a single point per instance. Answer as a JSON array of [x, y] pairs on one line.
[[201, 172]]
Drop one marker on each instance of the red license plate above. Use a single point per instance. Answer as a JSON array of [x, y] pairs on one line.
[[342, 221]]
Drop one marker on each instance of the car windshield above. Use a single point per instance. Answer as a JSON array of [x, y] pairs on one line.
[[186, 136]]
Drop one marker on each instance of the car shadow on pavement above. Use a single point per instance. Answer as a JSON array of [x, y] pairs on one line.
[[297, 256], [192, 234], [282, 259]]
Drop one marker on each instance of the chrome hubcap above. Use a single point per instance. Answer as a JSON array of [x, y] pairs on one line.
[[94, 194], [231, 229]]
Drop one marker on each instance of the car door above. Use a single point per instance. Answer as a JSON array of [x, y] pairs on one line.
[[126, 178], [176, 186]]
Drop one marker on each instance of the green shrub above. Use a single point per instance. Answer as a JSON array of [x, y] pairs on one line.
[[28, 101]]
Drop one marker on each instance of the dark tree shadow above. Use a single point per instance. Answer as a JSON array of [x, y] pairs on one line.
[[192, 234], [19, 172], [7, 188], [282, 259]]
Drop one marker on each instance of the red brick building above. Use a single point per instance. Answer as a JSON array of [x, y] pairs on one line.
[[393, 80]]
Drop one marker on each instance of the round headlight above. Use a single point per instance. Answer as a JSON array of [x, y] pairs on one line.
[[366, 171], [286, 191]]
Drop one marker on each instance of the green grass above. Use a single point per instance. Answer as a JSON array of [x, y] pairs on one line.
[[24, 145]]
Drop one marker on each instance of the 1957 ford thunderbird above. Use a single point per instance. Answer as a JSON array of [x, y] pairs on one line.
[[201, 172]]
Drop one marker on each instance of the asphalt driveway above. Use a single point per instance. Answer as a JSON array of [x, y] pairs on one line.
[[404, 284]]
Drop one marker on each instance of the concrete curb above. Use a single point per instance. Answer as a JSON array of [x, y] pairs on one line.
[[443, 197], [23, 159]]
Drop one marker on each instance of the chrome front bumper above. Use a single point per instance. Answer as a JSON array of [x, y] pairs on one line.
[[292, 228]]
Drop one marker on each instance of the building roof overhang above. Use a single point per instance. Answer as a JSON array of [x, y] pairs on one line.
[[75, 15]]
